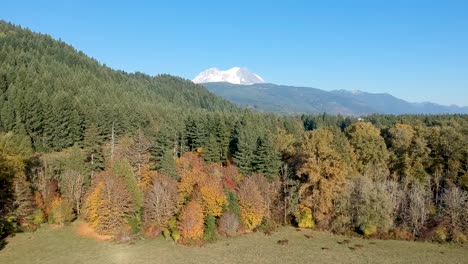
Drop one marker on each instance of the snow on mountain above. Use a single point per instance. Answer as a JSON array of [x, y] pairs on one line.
[[235, 75]]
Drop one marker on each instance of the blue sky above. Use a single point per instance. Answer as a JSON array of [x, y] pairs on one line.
[[415, 50]]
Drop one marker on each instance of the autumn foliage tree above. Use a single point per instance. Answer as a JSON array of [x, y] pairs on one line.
[[160, 201], [191, 169], [109, 204], [251, 204], [325, 170], [202, 182], [190, 222], [212, 193], [369, 146]]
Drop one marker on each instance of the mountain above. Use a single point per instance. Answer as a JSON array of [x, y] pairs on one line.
[[388, 104], [284, 99], [235, 75]]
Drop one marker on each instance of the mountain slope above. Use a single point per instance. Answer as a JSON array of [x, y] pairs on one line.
[[53, 93], [294, 100]]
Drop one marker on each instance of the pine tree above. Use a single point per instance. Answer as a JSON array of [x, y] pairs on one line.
[[211, 151], [244, 155], [92, 144], [266, 159], [167, 165]]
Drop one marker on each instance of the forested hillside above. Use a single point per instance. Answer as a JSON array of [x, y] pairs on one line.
[[133, 155], [53, 93]]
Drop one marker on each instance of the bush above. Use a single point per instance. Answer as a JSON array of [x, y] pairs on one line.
[[175, 235], [166, 233], [459, 237], [304, 218], [402, 234], [440, 234], [368, 229], [228, 224], [135, 222], [210, 228], [172, 224], [60, 212], [38, 217]]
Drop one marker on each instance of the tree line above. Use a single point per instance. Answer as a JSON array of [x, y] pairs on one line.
[[404, 178]]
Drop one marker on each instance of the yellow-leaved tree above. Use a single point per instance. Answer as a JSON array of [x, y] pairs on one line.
[[324, 165], [251, 203]]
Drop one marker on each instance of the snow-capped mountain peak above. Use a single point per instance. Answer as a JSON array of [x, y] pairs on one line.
[[236, 75]]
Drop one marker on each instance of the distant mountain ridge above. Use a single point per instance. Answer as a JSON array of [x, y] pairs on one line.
[[267, 97]]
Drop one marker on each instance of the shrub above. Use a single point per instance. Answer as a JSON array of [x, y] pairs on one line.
[[368, 229], [459, 237], [172, 224], [402, 234], [190, 222], [60, 212], [210, 228], [440, 234], [166, 233], [135, 223], [175, 235], [304, 218], [228, 224], [251, 204], [38, 217]]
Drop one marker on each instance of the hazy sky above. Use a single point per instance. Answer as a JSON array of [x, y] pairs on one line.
[[415, 50]]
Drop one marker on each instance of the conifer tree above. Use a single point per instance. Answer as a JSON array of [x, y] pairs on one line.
[[266, 159], [243, 157]]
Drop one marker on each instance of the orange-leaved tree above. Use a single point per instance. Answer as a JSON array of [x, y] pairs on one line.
[[190, 222], [191, 169], [202, 183]]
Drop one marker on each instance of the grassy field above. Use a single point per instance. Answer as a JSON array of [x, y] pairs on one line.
[[64, 245]]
